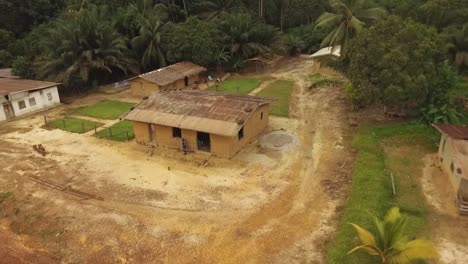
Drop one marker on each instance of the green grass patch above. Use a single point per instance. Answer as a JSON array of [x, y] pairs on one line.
[[106, 109], [318, 80], [281, 91], [74, 125], [396, 148], [121, 131], [238, 85], [4, 196]]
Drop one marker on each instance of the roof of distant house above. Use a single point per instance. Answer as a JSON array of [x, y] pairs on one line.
[[8, 86], [7, 73], [328, 51], [172, 73], [453, 131], [209, 112]]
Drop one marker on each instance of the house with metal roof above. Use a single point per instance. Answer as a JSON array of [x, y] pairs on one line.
[[453, 157], [179, 76], [217, 123], [20, 97]]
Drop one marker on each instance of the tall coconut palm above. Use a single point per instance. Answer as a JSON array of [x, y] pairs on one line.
[[86, 48], [347, 19], [390, 244], [148, 43]]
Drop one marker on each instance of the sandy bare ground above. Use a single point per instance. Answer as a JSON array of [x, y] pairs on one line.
[[264, 206]]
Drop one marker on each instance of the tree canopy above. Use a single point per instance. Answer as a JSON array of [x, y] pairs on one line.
[[399, 63]]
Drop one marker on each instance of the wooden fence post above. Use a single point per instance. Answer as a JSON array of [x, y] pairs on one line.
[[110, 131], [45, 121], [63, 121], [95, 129]]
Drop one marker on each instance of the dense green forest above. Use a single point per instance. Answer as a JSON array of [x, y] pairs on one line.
[[403, 53]]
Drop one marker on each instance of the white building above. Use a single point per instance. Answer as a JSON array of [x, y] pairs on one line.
[[19, 97]]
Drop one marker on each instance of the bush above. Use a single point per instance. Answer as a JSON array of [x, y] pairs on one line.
[[357, 99], [5, 58], [22, 67]]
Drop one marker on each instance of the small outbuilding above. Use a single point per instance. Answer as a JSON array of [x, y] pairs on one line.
[[328, 53], [453, 157], [217, 123], [19, 97], [179, 76]]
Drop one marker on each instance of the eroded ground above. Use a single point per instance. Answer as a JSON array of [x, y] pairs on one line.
[[267, 205]]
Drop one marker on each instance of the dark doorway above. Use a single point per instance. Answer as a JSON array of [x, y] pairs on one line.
[[8, 109], [186, 81], [203, 141], [152, 134]]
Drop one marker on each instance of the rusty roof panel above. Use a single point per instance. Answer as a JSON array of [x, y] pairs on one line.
[[453, 131], [210, 112], [8, 86], [172, 73]]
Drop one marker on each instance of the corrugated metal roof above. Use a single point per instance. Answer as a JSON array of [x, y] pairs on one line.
[[172, 73], [328, 51], [8, 86], [210, 112], [453, 131]]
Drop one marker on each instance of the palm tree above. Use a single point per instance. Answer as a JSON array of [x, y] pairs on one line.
[[215, 8], [148, 42], [390, 244], [347, 19], [245, 37], [222, 56], [84, 47], [458, 45]]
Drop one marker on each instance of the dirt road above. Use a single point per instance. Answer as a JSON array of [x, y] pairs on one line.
[[263, 206]]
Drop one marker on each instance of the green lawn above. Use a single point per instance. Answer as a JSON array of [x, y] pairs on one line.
[[106, 109], [281, 91], [238, 85], [382, 149], [74, 125], [121, 131]]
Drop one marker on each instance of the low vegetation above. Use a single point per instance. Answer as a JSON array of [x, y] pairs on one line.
[[390, 243], [280, 90], [74, 125], [106, 109], [237, 85], [318, 80], [372, 190], [121, 131]]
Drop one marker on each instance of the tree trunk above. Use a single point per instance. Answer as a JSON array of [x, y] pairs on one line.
[[260, 9], [282, 15], [185, 8]]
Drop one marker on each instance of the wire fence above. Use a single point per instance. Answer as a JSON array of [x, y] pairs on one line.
[[122, 131]]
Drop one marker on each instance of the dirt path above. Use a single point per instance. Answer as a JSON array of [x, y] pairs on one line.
[[261, 207], [261, 87]]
